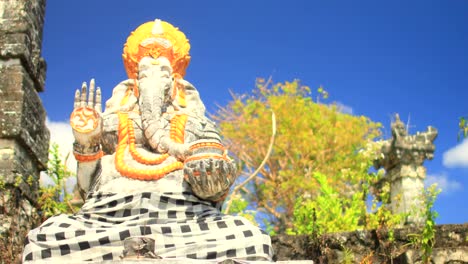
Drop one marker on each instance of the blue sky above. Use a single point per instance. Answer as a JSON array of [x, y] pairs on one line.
[[375, 57]]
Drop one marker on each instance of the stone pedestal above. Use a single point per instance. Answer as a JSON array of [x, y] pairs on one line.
[[407, 186], [24, 138], [179, 261]]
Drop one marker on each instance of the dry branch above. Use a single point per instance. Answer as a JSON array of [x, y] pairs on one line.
[[254, 174]]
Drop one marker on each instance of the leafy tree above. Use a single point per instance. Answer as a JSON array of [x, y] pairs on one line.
[[425, 241], [54, 199], [311, 138], [331, 212], [463, 124]]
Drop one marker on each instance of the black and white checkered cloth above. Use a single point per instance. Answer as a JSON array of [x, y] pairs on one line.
[[182, 225]]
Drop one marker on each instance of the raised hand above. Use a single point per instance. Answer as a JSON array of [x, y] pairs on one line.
[[86, 119], [210, 179]]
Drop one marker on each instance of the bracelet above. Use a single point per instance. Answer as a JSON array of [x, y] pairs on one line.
[[88, 158], [85, 150]]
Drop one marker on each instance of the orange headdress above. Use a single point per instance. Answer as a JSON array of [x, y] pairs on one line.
[[156, 38]]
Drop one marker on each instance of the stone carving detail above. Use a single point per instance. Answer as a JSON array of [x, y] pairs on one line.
[[402, 157], [151, 167], [139, 248]]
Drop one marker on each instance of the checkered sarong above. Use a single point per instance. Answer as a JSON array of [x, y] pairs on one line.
[[182, 225]]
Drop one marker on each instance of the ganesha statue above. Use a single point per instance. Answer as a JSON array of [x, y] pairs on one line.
[[151, 166]]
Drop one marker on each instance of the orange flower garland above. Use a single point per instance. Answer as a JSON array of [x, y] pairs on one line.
[[177, 132], [137, 155], [134, 173], [127, 139]]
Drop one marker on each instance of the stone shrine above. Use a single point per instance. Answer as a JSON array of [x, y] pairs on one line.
[[24, 138], [403, 158]]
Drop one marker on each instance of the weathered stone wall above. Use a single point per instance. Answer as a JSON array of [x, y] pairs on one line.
[[24, 139], [376, 246]]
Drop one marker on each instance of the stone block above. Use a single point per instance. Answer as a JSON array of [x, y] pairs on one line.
[[22, 115], [290, 247], [24, 138], [17, 216], [176, 261], [21, 36], [18, 168], [15, 45]]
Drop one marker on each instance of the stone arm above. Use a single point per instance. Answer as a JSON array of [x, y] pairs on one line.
[[87, 174], [86, 122], [210, 178], [209, 171]]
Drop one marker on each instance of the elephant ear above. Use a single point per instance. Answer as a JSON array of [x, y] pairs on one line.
[[118, 93], [192, 97]]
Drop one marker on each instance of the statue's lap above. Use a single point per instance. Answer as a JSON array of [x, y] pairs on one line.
[[182, 226]]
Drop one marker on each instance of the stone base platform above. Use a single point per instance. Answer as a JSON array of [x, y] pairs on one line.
[[175, 261]]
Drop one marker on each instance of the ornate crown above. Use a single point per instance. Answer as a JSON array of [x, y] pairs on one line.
[[156, 38]]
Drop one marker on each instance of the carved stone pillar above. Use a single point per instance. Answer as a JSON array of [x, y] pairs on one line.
[[24, 138], [406, 188], [403, 158]]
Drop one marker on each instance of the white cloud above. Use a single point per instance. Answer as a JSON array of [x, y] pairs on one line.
[[61, 134], [45, 180], [344, 108], [457, 156], [70, 184], [443, 182]]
